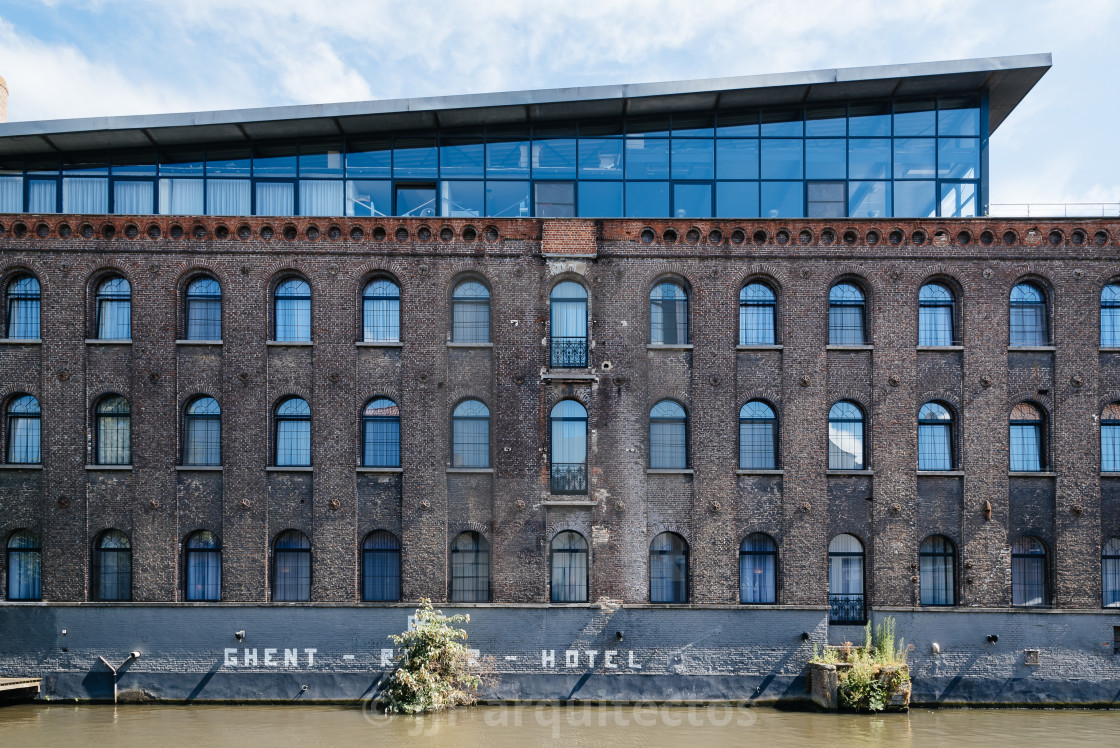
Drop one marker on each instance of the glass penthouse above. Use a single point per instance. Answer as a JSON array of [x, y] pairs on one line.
[[904, 140]]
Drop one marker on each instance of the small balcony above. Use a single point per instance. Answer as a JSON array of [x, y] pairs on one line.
[[846, 609], [568, 353], [569, 478]]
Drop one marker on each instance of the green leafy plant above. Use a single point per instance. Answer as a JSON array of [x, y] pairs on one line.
[[871, 674]]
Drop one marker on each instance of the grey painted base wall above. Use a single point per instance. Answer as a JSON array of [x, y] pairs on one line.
[[341, 653]]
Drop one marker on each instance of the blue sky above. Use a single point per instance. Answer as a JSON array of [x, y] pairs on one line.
[[78, 58]]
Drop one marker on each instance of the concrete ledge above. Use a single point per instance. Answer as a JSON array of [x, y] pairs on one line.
[[849, 347], [200, 468], [760, 471], [670, 471], [108, 341], [289, 343], [21, 341], [364, 469], [1032, 348], [289, 469], [575, 503], [108, 467], [759, 347], [21, 466], [940, 473], [184, 341], [659, 347], [484, 471], [470, 345], [1031, 474], [379, 344], [849, 472], [941, 348]]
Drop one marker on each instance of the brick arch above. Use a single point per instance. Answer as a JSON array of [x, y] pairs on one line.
[[769, 395], [656, 528], [1028, 274], [1104, 401], [1046, 402], [20, 266], [189, 270], [668, 270], [481, 528], [950, 399], [775, 277], [581, 396], [953, 278], [7, 394], [552, 529]]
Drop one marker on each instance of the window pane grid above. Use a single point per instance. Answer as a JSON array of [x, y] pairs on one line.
[[1110, 316], [1110, 446], [1110, 573], [758, 561], [845, 438], [569, 568], [756, 444], [113, 568], [668, 569], [1028, 573], [935, 446], [1026, 447], [204, 319], [381, 441], [23, 308], [470, 569], [24, 431], [381, 319], [24, 567], [203, 441], [204, 574], [936, 572]]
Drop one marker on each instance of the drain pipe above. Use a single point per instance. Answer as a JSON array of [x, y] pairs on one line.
[[116, 670]]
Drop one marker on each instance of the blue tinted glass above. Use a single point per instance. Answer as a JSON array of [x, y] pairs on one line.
[[692, 200], [600, 159], [914, 118], [45, 165], [461, 158], [825, 121], [737, 124], [228, 162], [958, 158], [554, 158], [600, 199], [825, 159], [600, 128], [737, 159], [958, 200], [507, 199], [415, 157], [693, 125], [958, 117], [369, 158], [785, 123], [279, 161], [781, 159], [135, 164], [94, 165], [647, 158], [914, 199], [647, 199], [181, 163], [914, 158], [320, 159], [693, 159], [869, 159], [462, 199], [869, 119], [416, 201], [737, 199], [869, 199], [42, 195], [783, 199], [648, 127], [507, 158], [366, 197]]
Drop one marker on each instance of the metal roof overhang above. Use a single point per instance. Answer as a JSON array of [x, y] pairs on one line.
[[1006, 79]]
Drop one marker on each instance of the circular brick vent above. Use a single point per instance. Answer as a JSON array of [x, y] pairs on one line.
[[244, 232], [131, 231], [334, 233], [782, 237], [198, 232], [1009, 238], [647, 236], [895, 237], [19, 230], [873, 238], [290, 233], [987, 237], [670, 236], [378, 233], [1100, 238], [402, 234], [470, 233], [1077, 237], [715, 236], [108, 231], [805, 236], [759, 237], [918, 237], [424, 234], [176, 231], [267, 233], [1055, 237], [491, 234], [64, 230], [42, 230], [693, 236], [738, 236], [964, 238], [221, 232], [446, 234], [154, 231], [356, 233], [312, 232], [850, 236], [828, 236]]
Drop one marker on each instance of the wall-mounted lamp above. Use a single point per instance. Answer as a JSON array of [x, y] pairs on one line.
[[239, 635], [993, 638], [618, 635], [804, 636]]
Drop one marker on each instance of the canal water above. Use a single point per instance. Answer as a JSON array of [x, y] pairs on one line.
[[497, 727]]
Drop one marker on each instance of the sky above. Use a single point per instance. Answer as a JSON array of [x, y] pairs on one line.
[[82, 58]]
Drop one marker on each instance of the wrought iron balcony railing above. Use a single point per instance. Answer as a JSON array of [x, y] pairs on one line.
[[569, 353], [846, 609], [569, 478]]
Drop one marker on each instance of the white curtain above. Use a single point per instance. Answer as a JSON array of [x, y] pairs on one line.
[[318, 197], [275, 198], [133, 198], [41, 195], [11, 194], [80, 195], [180, 197], [569, 319], [227, 197]]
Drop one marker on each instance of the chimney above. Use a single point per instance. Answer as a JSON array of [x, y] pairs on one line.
[[3, 100]]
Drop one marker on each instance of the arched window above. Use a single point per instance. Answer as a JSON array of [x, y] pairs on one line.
[[1110, 438], [668, 436], [203, 566], [568, 326], [1110, 316], [668, 569], [845, 437], [845, 580], [937, 571], [293, 433], [23, 307], [470, 435], [569, 448], [204, 310], [758, 569], [470, 569], [668, 315], [381, 434], [1110, 573], [1029, 317], [936, 318], [470, 313], [1028, 452], [935, 437], [23, 430], [112, 566], [113, 431], [1029, 577], [758, 437], [568, 561], [293, 310], [25, 560], [114, 309], [847, 315], [381, 567], [291, 567], [758, 315], [381, 312], [202, 432]]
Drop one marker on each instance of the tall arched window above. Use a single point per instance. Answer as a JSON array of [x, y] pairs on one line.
[[113, 431], [1029, 317], [1110, 316], [112, 566], [935, 437], [668, 315], [936, 318], [114, 309], [381, 433], [847, 315], [937, 571], [23, 307], [381, 312], [293, 433], [204, 310], [845, 580], [24, 430], [291, 567], [25, 560], [470, 568], [1110, 573], [568, 326], [1029, 576], [568, 561], [758, 315], [758, 437], [845, 437], [381, 567], [470, 435], [1110, 438], [470, 313], [569, 448], [668, 436], [1027, 435], [292, 307], [668, 569], [202, 432], [758, 569], [203, 566]]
